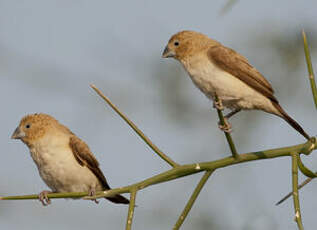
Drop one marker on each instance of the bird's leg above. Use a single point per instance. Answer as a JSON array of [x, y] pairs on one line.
[[92, 192], [43, 197], [218, 104], [232, 113], [226, 127]]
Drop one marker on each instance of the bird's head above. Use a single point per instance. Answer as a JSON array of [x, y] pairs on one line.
[[186, 43], [33, 126]]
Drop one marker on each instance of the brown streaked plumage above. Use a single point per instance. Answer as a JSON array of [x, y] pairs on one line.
[[64, 161], [218, 70]]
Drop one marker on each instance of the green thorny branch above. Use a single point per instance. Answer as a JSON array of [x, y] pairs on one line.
[[306, 171], [298, 216], [179, 171], [310, 68]]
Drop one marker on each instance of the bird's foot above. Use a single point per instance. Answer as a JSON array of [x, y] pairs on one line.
[[43, 197], [92, 192], [218, 105], [226, 127]]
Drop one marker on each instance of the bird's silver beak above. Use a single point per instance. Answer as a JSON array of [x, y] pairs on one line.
[[167, 53], [17, 134]]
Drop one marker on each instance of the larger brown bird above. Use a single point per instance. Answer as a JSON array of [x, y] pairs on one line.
[[220, 71], [64, 161]]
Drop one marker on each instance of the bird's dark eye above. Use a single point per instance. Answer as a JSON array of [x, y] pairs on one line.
[[28, 126], [176, 43]]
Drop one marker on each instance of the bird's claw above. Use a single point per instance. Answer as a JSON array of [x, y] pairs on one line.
[[43, 197], [218, 105], [92, 192], [226, 127]]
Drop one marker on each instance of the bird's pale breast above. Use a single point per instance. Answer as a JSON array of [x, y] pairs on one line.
[[58, 167]]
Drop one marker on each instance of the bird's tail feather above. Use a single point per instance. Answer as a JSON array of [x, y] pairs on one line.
[[118, 199], [291, 121]]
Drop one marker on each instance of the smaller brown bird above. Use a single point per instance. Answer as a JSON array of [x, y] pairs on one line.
[[64, 161], [220, 71]]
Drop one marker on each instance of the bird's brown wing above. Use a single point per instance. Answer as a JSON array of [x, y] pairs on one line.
[[85, 157], [237, 65]]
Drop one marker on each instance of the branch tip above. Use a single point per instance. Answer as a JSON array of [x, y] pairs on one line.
[[310, 68], [136, 129]]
